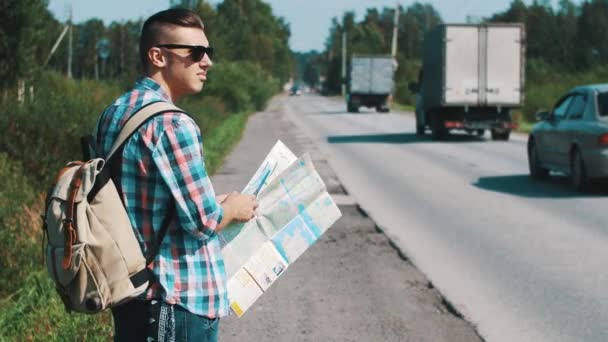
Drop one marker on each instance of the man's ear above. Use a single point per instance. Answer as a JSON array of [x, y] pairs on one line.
[[156, 58]]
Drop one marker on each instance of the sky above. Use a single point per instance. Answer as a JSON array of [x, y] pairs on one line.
[[309, 19]]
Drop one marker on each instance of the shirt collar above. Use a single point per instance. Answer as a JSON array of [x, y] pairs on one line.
[[150, 84]]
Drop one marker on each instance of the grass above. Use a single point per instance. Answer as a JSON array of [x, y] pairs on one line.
[[403, 107], [35, 313], [222, 140]]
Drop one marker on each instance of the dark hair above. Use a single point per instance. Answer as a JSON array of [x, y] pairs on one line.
[[150, 32]]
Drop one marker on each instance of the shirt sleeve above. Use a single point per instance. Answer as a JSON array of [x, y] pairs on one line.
[[179, 158]]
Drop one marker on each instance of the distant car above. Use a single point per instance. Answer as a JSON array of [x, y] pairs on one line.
[[573, 137], [295, 90]]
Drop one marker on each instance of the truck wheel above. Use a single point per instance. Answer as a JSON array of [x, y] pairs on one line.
[[420, 125], [351, 107], [419, 129], [382, 109], [438, 131], [501, 135]]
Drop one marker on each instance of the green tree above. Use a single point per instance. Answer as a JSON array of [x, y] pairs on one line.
[[123, 62], [373, 35], [86, 36], [249, 31], [27, 31], [592, 28]]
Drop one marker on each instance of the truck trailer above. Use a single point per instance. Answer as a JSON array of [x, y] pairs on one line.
[[370, 83], [472, 77]]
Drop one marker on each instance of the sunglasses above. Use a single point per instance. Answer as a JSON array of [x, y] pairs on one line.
[[197, 52]]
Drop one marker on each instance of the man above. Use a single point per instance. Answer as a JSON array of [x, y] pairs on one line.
[[163, 176]]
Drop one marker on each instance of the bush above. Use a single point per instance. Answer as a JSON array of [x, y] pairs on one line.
[[406, 72], [44, 134], [36, 313], [20, 225], [243, 86], [546, 83]]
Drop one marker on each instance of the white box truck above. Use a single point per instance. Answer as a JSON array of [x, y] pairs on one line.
[[370, 83], [472, 76]]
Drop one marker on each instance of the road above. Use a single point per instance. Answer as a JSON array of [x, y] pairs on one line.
[[521, 260], [353, 284]]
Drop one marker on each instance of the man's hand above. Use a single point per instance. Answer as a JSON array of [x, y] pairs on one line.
[[238, 207], [243, 206], [221, 198]]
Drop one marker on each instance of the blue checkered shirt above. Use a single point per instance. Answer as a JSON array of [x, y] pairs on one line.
[[162, 164]]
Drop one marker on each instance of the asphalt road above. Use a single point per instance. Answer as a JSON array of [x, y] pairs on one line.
[[353, 284], [521, 260]]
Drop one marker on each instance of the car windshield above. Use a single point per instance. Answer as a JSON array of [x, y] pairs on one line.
[[602, 104]]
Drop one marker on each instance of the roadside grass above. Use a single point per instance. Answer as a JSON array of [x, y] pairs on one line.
[[35, 313], [223, 139], [403, 107], [19, 226]]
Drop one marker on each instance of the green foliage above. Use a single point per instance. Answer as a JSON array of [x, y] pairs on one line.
[[24, 41], [222, 140], [35, 313], [570, 37], [547, 83], [243, 86], [28, 31], [406, 72], [249, 31], [44, 133], [17, 228], [373, 36]]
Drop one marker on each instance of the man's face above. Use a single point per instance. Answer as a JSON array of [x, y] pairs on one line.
[[183, 74]]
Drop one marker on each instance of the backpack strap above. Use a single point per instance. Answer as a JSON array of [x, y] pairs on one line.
[[133, 124], [146, 274], [137, 120]]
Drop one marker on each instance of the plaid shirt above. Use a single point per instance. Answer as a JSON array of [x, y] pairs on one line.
[[163, 163]]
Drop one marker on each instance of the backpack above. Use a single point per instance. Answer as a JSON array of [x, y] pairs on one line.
[[92, 253]]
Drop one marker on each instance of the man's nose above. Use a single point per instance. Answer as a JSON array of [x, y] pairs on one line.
[[206, 61]]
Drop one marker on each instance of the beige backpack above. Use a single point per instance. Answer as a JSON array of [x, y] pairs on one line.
[[92, 254]]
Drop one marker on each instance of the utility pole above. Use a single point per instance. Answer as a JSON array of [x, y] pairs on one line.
[[57, 42], [395, 32], [343, 61], [96, 69], [70, 44], [122, 48], [67, 29]]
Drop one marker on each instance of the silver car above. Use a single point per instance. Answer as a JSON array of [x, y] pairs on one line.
[[573, 137]]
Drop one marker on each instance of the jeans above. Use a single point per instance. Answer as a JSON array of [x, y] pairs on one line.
[[155, 320]]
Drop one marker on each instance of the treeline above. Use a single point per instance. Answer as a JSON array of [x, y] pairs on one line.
[[373, 35], [569, 39], [28, 32]]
